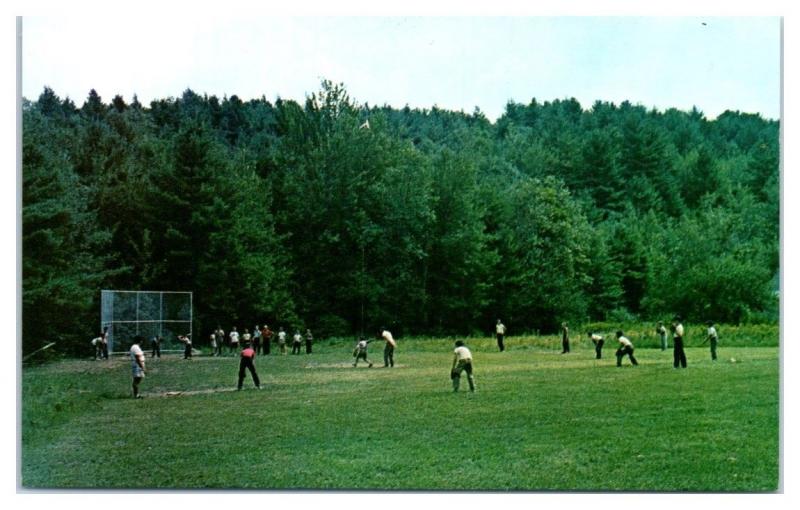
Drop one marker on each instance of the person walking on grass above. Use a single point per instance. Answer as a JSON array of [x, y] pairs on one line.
[[220, 336], [282, 340], [234, 339], [462, 362], [360, 352], [266, 339], [598, 342], [564, 338], [309, 341], [246, 359], [297, 341], [187, 343], [625, 347], [712, 337], [137, 365], [661, 331], [500, 332], [388, 350], [155, 343], [678, 355]]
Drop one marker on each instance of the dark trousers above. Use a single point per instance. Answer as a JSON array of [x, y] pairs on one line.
[[465, 366], [622, 351], [296, 347], [565, 345], [308, 346], [679, 357], [187, 351], [361, 355], [388, 355], [267, 344], [500, 342], [220, 342], [257, 344], [598, 348], [247, 363], [156, 349], [105, 351], [713, 348]]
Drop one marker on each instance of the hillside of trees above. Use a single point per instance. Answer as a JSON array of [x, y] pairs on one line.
[[426, 221]]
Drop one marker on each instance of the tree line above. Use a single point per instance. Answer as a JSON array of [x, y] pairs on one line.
[[343, 217]]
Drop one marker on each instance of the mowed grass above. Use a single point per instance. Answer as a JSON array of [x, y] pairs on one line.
[[538, 421]]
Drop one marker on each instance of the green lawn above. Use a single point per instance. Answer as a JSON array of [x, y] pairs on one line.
[[539, 421]]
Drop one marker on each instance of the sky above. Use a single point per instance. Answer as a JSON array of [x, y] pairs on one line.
[[456, 63]]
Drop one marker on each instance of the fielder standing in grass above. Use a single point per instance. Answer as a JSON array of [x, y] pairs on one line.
[[564, 338], [462, 362], [360, 352], [712, 337], [234, 339], [137, 365], [220, 334], [625, 347], [678, 355], [297, 342], [246, 358], [661, 331], [282, 340], [155, 343], [500, 332], [598, 342], [257, 339], [309, 341], [388, 350], [266, 339]]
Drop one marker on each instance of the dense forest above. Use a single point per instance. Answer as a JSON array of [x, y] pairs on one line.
[[343, 217]]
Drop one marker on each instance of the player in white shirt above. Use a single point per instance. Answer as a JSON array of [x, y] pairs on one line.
[[712, 337], [625, 347], [137, 365], [234, 338], [661, 331], [678, 355], [500, 332], [297, 341], [388, 350], [462, 362], [598, 342], [360, 352], [282, 340]]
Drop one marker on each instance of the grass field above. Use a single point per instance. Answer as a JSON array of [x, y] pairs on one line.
[[539, 421]]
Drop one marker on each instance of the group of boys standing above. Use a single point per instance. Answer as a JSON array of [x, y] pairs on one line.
[[260, 340]]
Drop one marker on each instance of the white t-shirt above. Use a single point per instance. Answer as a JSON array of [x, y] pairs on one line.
[[246, 337], [501, 329], [462, 353], [282, 337], [596, 337], [389, 339], [297, 338], [136, 352], [234, 337], [679, 330], [624, 341], [712, 332]]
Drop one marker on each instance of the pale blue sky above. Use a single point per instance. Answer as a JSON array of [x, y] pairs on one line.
[[456, 63]]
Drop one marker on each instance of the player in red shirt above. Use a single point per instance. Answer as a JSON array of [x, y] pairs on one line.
[[246, 362]]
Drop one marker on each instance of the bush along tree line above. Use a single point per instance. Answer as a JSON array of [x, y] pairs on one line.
[[344, 216]]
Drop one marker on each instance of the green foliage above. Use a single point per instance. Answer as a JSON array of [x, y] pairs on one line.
[[425, 221]]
